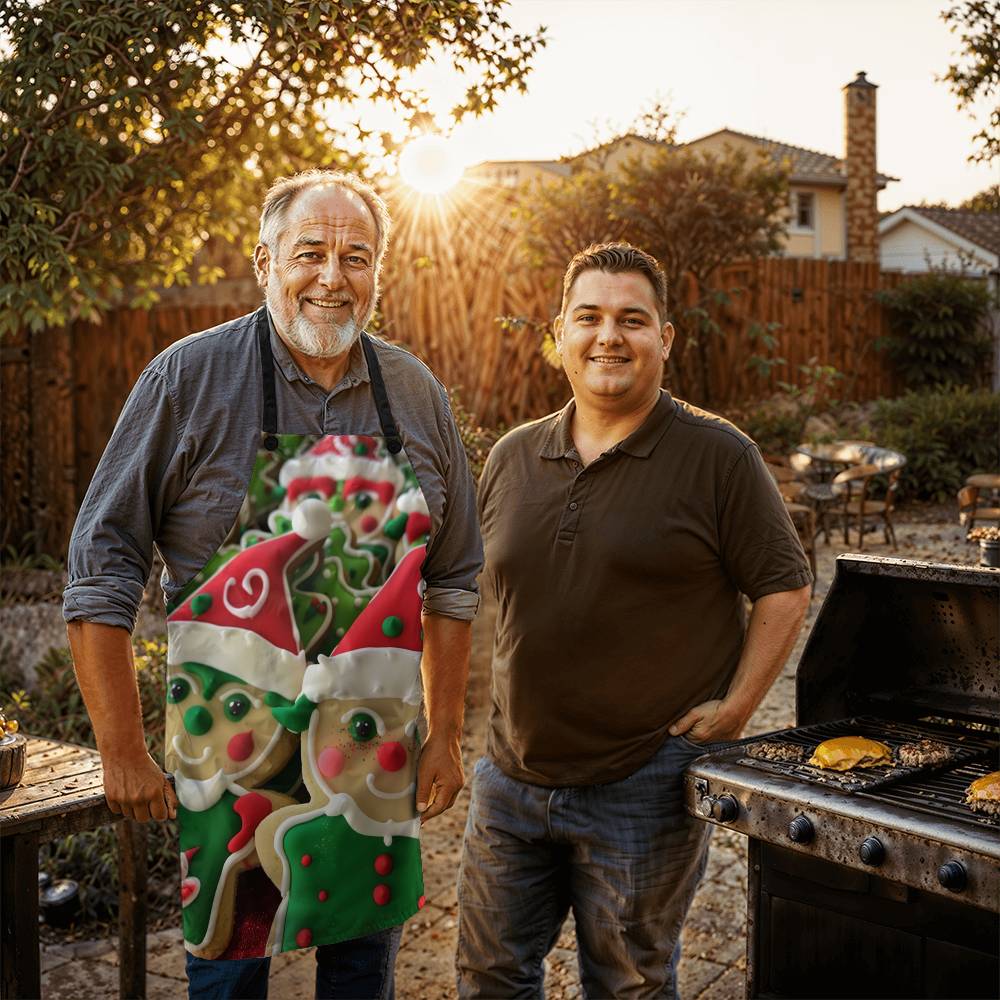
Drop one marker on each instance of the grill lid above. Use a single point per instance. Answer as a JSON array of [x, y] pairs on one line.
[[904, 637]]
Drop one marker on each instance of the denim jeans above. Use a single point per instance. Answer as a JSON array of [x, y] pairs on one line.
[[625, 857], [351, 970]]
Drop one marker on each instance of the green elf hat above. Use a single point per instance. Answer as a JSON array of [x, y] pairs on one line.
[[241, 619]]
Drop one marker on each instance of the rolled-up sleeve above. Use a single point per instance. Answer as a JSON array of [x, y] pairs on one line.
[[455, 555], [111, 548]]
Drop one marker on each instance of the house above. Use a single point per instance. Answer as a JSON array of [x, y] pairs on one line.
[[832, 211], [513, 173], [917, 239]]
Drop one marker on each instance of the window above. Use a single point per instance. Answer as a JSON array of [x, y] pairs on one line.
[[803, 210]]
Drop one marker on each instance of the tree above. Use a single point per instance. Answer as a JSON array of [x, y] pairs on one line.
[[976, 76], [134, 132], [986, 201], [694, 212]]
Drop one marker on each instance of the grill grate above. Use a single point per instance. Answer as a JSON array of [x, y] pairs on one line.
[[942, 794], [967, 747]]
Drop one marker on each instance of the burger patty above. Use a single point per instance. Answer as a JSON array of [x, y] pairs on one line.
[[922, 753], [788, 753], [991, 807]]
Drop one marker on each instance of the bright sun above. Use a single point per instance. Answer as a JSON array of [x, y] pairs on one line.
[[430, 164]]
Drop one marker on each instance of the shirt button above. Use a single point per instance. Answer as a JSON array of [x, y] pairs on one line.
[[573, 505]]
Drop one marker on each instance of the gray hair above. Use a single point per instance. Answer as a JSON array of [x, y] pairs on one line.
[[283, 192]]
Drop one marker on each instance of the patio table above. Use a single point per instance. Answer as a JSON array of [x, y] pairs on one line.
[[984, 481], [61, 793]]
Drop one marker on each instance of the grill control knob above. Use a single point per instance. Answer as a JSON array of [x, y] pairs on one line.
[[872, 852], [725, 809], [800, 830], [952, 876]]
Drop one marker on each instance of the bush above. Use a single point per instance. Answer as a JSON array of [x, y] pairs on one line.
[[946, 435], [938, 337], [477, 440], [55, 710]]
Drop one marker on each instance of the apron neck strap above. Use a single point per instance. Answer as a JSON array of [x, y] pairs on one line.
[[386, 421], [269, 420]]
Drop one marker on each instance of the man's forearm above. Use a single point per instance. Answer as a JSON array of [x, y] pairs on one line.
[[134, 784], [774, 625], [105, 671], [445, 667]]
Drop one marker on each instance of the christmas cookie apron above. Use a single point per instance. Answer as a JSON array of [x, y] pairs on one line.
[[293, 689]]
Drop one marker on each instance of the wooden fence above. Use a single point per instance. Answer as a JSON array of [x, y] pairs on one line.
[[454, 270]]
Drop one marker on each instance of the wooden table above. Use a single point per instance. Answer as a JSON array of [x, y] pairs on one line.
[[62, 793], [984, 481]]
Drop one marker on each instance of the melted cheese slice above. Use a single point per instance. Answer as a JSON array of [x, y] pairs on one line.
[[985, 789], [847, 752]]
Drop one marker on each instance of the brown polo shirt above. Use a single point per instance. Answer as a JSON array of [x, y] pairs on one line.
[[619, 585]]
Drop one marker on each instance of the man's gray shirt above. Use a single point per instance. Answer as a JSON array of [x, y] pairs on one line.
[[175, 471]]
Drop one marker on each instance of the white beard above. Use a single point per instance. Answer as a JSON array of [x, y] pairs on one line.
[[326, 341]]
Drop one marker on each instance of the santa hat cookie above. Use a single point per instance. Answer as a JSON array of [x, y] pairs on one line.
[[379, 657], [241, 619], [337, 459]]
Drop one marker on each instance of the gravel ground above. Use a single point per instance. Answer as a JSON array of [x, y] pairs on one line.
[[714, 939]]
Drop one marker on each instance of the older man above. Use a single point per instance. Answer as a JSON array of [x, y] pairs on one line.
[[204, 443], [621, 534]]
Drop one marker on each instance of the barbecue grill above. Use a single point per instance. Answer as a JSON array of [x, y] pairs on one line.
[[876, 882]]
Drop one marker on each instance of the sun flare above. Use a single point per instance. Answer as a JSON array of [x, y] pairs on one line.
[[431, 164]]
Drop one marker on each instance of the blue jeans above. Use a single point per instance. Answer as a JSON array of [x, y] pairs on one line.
[[350, 970], [625, 857]]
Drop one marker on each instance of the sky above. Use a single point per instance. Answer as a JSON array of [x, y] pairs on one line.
[[773, 68]]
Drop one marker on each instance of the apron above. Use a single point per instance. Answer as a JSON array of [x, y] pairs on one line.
[[293, 688]]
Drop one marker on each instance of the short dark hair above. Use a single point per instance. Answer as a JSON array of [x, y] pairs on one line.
[[617, 258]]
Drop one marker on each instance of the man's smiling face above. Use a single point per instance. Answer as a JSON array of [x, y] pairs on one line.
[[612, 341], [319, 278]]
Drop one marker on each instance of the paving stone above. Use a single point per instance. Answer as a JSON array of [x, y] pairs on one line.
[[716, 947], [93, 979], [695, 974], [731, 985]]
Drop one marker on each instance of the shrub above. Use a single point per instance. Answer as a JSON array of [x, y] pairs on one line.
[[946, 435], [55, 710], [938, 336], [476, 440]]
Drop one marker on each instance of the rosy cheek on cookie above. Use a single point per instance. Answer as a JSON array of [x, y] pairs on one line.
[[330, 762], [240, 746]]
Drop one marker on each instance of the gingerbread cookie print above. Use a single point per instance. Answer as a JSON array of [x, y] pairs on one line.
[[235, 654], [347, 862]]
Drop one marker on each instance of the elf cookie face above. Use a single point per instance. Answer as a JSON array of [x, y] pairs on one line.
[[366, 748], [217, 723]]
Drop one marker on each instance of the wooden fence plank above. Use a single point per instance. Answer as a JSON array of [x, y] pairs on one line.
[[53, 464], [15, 414]]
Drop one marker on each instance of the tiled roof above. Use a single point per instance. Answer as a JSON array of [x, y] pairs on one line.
[[803, 163], [981, 228]]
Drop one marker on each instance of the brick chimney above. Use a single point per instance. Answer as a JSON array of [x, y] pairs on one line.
[[859, 160]]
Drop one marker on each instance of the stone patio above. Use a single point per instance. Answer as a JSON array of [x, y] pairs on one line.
[[714, 940]]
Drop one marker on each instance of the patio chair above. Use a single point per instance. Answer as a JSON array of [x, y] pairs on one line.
[[818, 493], [973, 507], [853, 486], [804, 519]]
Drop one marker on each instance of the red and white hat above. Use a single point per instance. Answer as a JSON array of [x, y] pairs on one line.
[[241, 619], [341, 457], [379, 656]]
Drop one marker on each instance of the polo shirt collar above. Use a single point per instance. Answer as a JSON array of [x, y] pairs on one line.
[[357, 369], [640, 443]]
